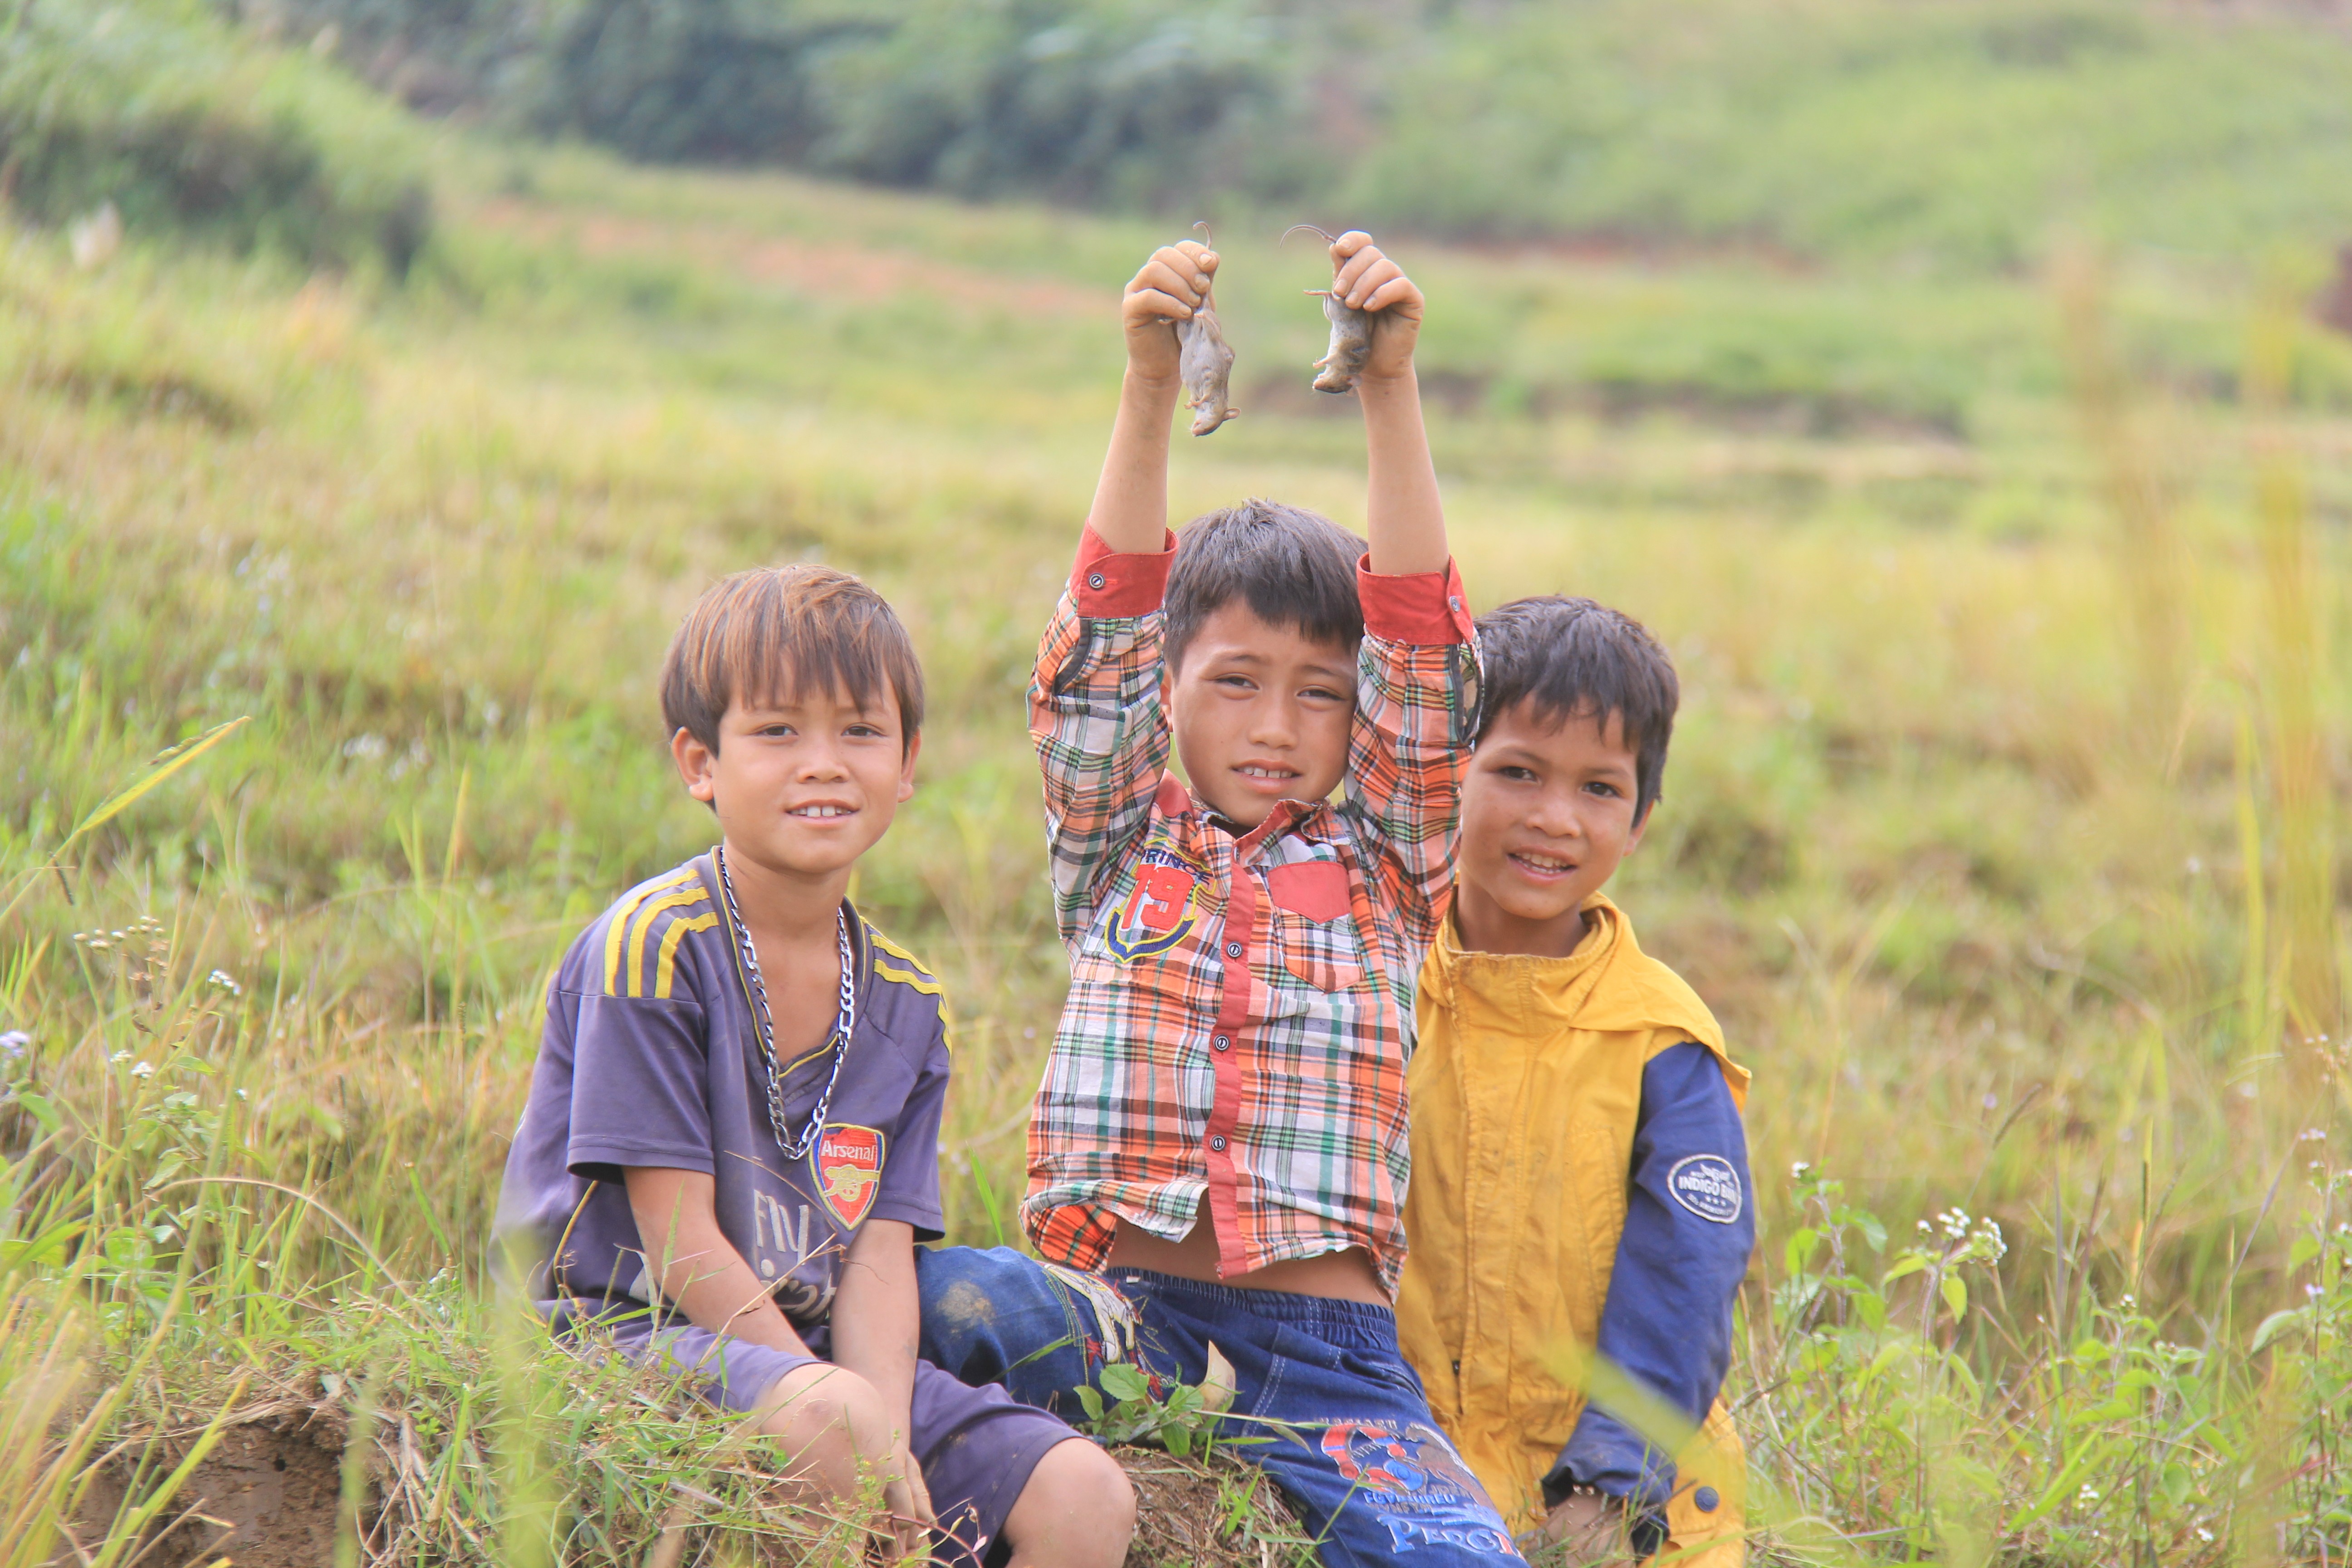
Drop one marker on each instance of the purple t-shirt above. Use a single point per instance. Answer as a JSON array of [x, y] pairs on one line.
[[651, 1056]]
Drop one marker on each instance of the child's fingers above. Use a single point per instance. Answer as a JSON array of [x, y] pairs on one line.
[[1200, 255], [1358, 290], [1173, 275], [1396, 290], [1350, 273], [1157, 304]]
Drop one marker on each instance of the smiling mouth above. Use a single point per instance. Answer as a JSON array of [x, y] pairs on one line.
[[1541, 865], [1266, 771], [822, 811]]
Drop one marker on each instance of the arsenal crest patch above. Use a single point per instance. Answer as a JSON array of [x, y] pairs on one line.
[[848, 1161]]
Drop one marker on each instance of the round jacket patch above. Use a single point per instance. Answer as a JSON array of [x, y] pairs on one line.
[[1708, 1187]]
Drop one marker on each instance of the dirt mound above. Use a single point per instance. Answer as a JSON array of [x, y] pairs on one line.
[[1214, 1514], [266, 1496]]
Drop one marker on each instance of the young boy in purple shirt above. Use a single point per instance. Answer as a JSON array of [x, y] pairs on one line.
[[731, 1142]]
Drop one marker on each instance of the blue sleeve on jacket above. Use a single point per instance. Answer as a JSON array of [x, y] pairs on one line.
[[1689, 1227]]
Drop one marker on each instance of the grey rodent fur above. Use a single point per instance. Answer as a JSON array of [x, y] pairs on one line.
[[1205, 363], [1351, 333]]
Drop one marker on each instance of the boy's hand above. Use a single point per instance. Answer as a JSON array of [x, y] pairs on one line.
[[1589, 1531], [1363, 278], [1167, 290], [907, 1537]]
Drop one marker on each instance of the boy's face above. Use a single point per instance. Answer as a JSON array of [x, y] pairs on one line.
[[1261, 714], [1547, 814], [802, 786]]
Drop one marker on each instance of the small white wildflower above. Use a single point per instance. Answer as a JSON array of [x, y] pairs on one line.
[[1796, 1172], [240, 1094], [226, 981], [142, 1070], [2205, 1535], [2312, 1292], [14, 1044], [118, 1059], [2128, 1300], [2315, 1134], [99, 944], [2089, 1493]]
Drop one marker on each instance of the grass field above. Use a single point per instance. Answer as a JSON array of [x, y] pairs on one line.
[[2000, 830]]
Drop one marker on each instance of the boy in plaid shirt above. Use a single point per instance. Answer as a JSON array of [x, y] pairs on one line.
[[1218, 1149]]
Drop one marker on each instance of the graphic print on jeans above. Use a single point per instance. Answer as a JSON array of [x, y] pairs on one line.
[[1347, 1434]]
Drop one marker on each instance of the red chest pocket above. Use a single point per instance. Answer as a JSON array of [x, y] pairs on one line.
[[1310, 925], [1316, 889]]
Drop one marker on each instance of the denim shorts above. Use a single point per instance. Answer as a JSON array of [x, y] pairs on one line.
[[1347, 1432], [977, 1446]]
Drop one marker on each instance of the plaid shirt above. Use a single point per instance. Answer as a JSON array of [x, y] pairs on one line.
[[1240, 1007]]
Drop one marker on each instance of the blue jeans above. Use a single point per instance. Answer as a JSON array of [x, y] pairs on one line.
[[1350, 1440]]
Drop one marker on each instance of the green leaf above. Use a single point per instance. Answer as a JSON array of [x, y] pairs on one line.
[[1956, 1296], [1872, 1230], [1800, 1250], [2294, 1320], [43, 1112], [1123, 1381], [1179, 1440], [2306, 1248], [1911, 1262], [1091, 1402]]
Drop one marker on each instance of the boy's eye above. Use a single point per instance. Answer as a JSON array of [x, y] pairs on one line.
[[1322, 694], [775, 731], [1600, 786], [1517, 773]]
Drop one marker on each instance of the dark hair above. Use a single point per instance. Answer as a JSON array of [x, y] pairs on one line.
[[1292, 567], [778, 631], [1574, 658]]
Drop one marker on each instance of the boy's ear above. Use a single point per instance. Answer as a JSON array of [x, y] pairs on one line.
[[907, 767], [697, 765]]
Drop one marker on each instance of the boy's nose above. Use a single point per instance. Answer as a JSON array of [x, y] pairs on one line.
[[822, 763], [1274, 724], [1554, 817]]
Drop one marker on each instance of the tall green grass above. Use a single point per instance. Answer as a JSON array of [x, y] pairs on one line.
[[2005, 896]]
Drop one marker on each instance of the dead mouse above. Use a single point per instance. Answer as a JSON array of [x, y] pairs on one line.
[[1206, 362], [1351, 332]]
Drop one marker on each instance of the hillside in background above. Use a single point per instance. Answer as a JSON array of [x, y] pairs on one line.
[[1957, 133], [2001, 830]]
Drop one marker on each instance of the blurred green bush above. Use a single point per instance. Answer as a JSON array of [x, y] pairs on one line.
[[1959, 133], [188, 125]]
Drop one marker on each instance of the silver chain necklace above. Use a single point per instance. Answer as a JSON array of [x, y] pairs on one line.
[[793, 1148]]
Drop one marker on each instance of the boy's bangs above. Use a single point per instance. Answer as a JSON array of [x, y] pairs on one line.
[[1293, 568], [783, 634], [1572, 659], [782, 663]]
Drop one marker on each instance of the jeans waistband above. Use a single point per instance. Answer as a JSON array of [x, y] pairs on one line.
[[1309, 1312]]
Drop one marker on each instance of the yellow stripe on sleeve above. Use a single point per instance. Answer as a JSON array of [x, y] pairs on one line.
[[667, 961], [908, 978], [619, 928], [645, 925]]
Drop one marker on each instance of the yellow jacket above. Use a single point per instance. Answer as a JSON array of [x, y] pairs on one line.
[[1524, 1088]]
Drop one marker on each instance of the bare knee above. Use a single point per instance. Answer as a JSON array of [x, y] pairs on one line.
[[822, 1419], [1077, 1511]]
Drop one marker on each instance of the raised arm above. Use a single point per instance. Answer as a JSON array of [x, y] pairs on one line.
[[1130, 509], [1401, 510]]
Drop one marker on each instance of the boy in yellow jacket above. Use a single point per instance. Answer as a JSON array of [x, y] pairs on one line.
[[1580, 1172]]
